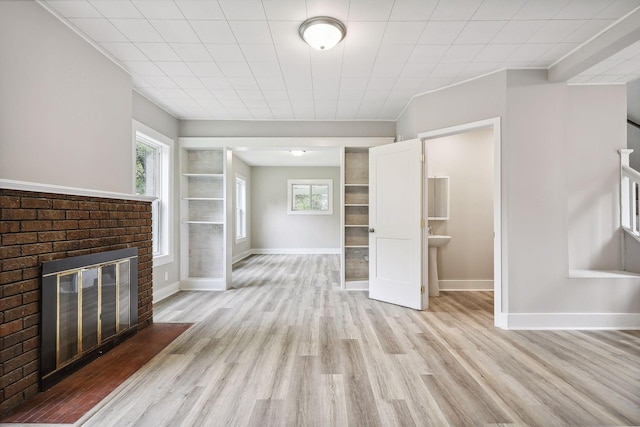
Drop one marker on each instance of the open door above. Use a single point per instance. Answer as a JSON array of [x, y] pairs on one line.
[[395, 224]]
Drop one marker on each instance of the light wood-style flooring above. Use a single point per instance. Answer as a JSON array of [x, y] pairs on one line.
[[287, 348]]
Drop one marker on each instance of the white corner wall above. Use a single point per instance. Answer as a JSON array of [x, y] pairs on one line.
[[65, 115], [542, 174], [466, 262], [274, 231]]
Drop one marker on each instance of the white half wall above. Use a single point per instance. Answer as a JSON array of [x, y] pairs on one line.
[[271, 226], [65, 109]]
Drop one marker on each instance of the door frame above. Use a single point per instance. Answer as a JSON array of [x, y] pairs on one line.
[[500, 276]]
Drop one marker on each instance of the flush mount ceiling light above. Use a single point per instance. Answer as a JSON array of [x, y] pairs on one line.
[[297, 153], [322, 32]]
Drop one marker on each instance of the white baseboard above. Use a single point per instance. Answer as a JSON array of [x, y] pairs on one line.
[[242, 255], [466, 285], [356, 285], [295, 251], [165, 292], [202, 285], [537, 321]]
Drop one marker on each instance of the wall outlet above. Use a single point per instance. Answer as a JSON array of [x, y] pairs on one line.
[[166, 276]]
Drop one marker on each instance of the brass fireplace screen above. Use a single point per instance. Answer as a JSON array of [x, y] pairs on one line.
[[87, 302]]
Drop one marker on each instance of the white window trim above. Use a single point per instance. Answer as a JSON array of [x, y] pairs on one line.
[[244, 238], [292, 182], [167, 251]]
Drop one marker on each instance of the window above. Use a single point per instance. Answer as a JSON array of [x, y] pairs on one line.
[[153, 154], [241, 208], [310, 196]]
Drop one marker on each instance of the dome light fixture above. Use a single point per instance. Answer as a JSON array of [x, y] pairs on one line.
[[322, 32], [297, 153]]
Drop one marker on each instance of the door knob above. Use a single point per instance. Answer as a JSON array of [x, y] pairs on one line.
[[371, 230]]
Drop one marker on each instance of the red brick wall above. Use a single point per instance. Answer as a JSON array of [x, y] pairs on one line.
[[38, 227]]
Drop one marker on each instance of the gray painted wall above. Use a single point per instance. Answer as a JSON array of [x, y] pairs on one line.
[[283, 128], [240, 167], [467, 159], [273, 228], [65, 115], [543, 181]]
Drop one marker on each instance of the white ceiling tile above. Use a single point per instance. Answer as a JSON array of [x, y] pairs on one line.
[[379, 84], [325, 71], [624, 68], [540, 9], [416, 71], [356, 69], [427, 53], [555, 31], [259, 52], [365, 33], [328, 56], [517, 31], [250, 94], [200, 9], [358, 53], [301, 96], [205, 69], [284, 32], [276, 95], [174, 68], [209, 103], [137, 30], [213, 31], [436, 83], [293, 52], [143, 68], [162, 82], [225, 52], [285, 10], [617, 9], [412, 10], [394, 53], [497, 10], [386, 69], [75, 8], [338, 9], [124, 51], [235, 69], [250, 31], [352, 87], [175, 31], [402, 33], [188, 82], [158, 9], [408, 84], [98, 29], [242, 9], [216, 84], [158, 51], [271, 83], [140, 82], [298, 83], [588, 30], [455, 10], [495, 53], [441, 32], [243, 83], [479, 32], [600, 68], [370, 10], [529, 52], [191, 52], [480, 68], [266, 69], [582, 9], [152, 93], [448, 69], [627, 53], [461, 53], [120, 9]]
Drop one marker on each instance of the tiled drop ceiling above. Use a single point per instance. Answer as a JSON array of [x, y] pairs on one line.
[[243, 59]]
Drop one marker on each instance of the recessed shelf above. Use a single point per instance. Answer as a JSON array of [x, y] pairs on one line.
[[215, 199], [365, 205], [209, 175], [204, 222], [356, 185], [357, 225], [356, 246]]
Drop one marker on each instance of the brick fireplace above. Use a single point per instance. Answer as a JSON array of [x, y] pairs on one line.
[[36, 227]]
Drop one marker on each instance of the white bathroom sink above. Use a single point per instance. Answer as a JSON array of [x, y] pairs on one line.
[[436, 241]]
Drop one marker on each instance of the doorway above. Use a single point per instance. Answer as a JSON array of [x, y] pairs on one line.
[[499, 273]]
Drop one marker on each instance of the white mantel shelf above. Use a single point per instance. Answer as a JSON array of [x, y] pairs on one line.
[[8, 184]]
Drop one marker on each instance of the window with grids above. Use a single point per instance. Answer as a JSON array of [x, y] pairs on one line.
[[241, 208], [310, 196]]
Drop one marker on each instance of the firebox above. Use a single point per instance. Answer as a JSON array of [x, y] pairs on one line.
[[89, 304]]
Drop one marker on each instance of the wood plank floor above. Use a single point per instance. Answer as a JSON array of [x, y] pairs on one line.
[[287, 348]]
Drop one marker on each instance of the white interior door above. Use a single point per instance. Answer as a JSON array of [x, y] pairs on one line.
[[395, 231]]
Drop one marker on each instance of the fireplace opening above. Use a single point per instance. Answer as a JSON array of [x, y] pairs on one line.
[[86, 309]]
